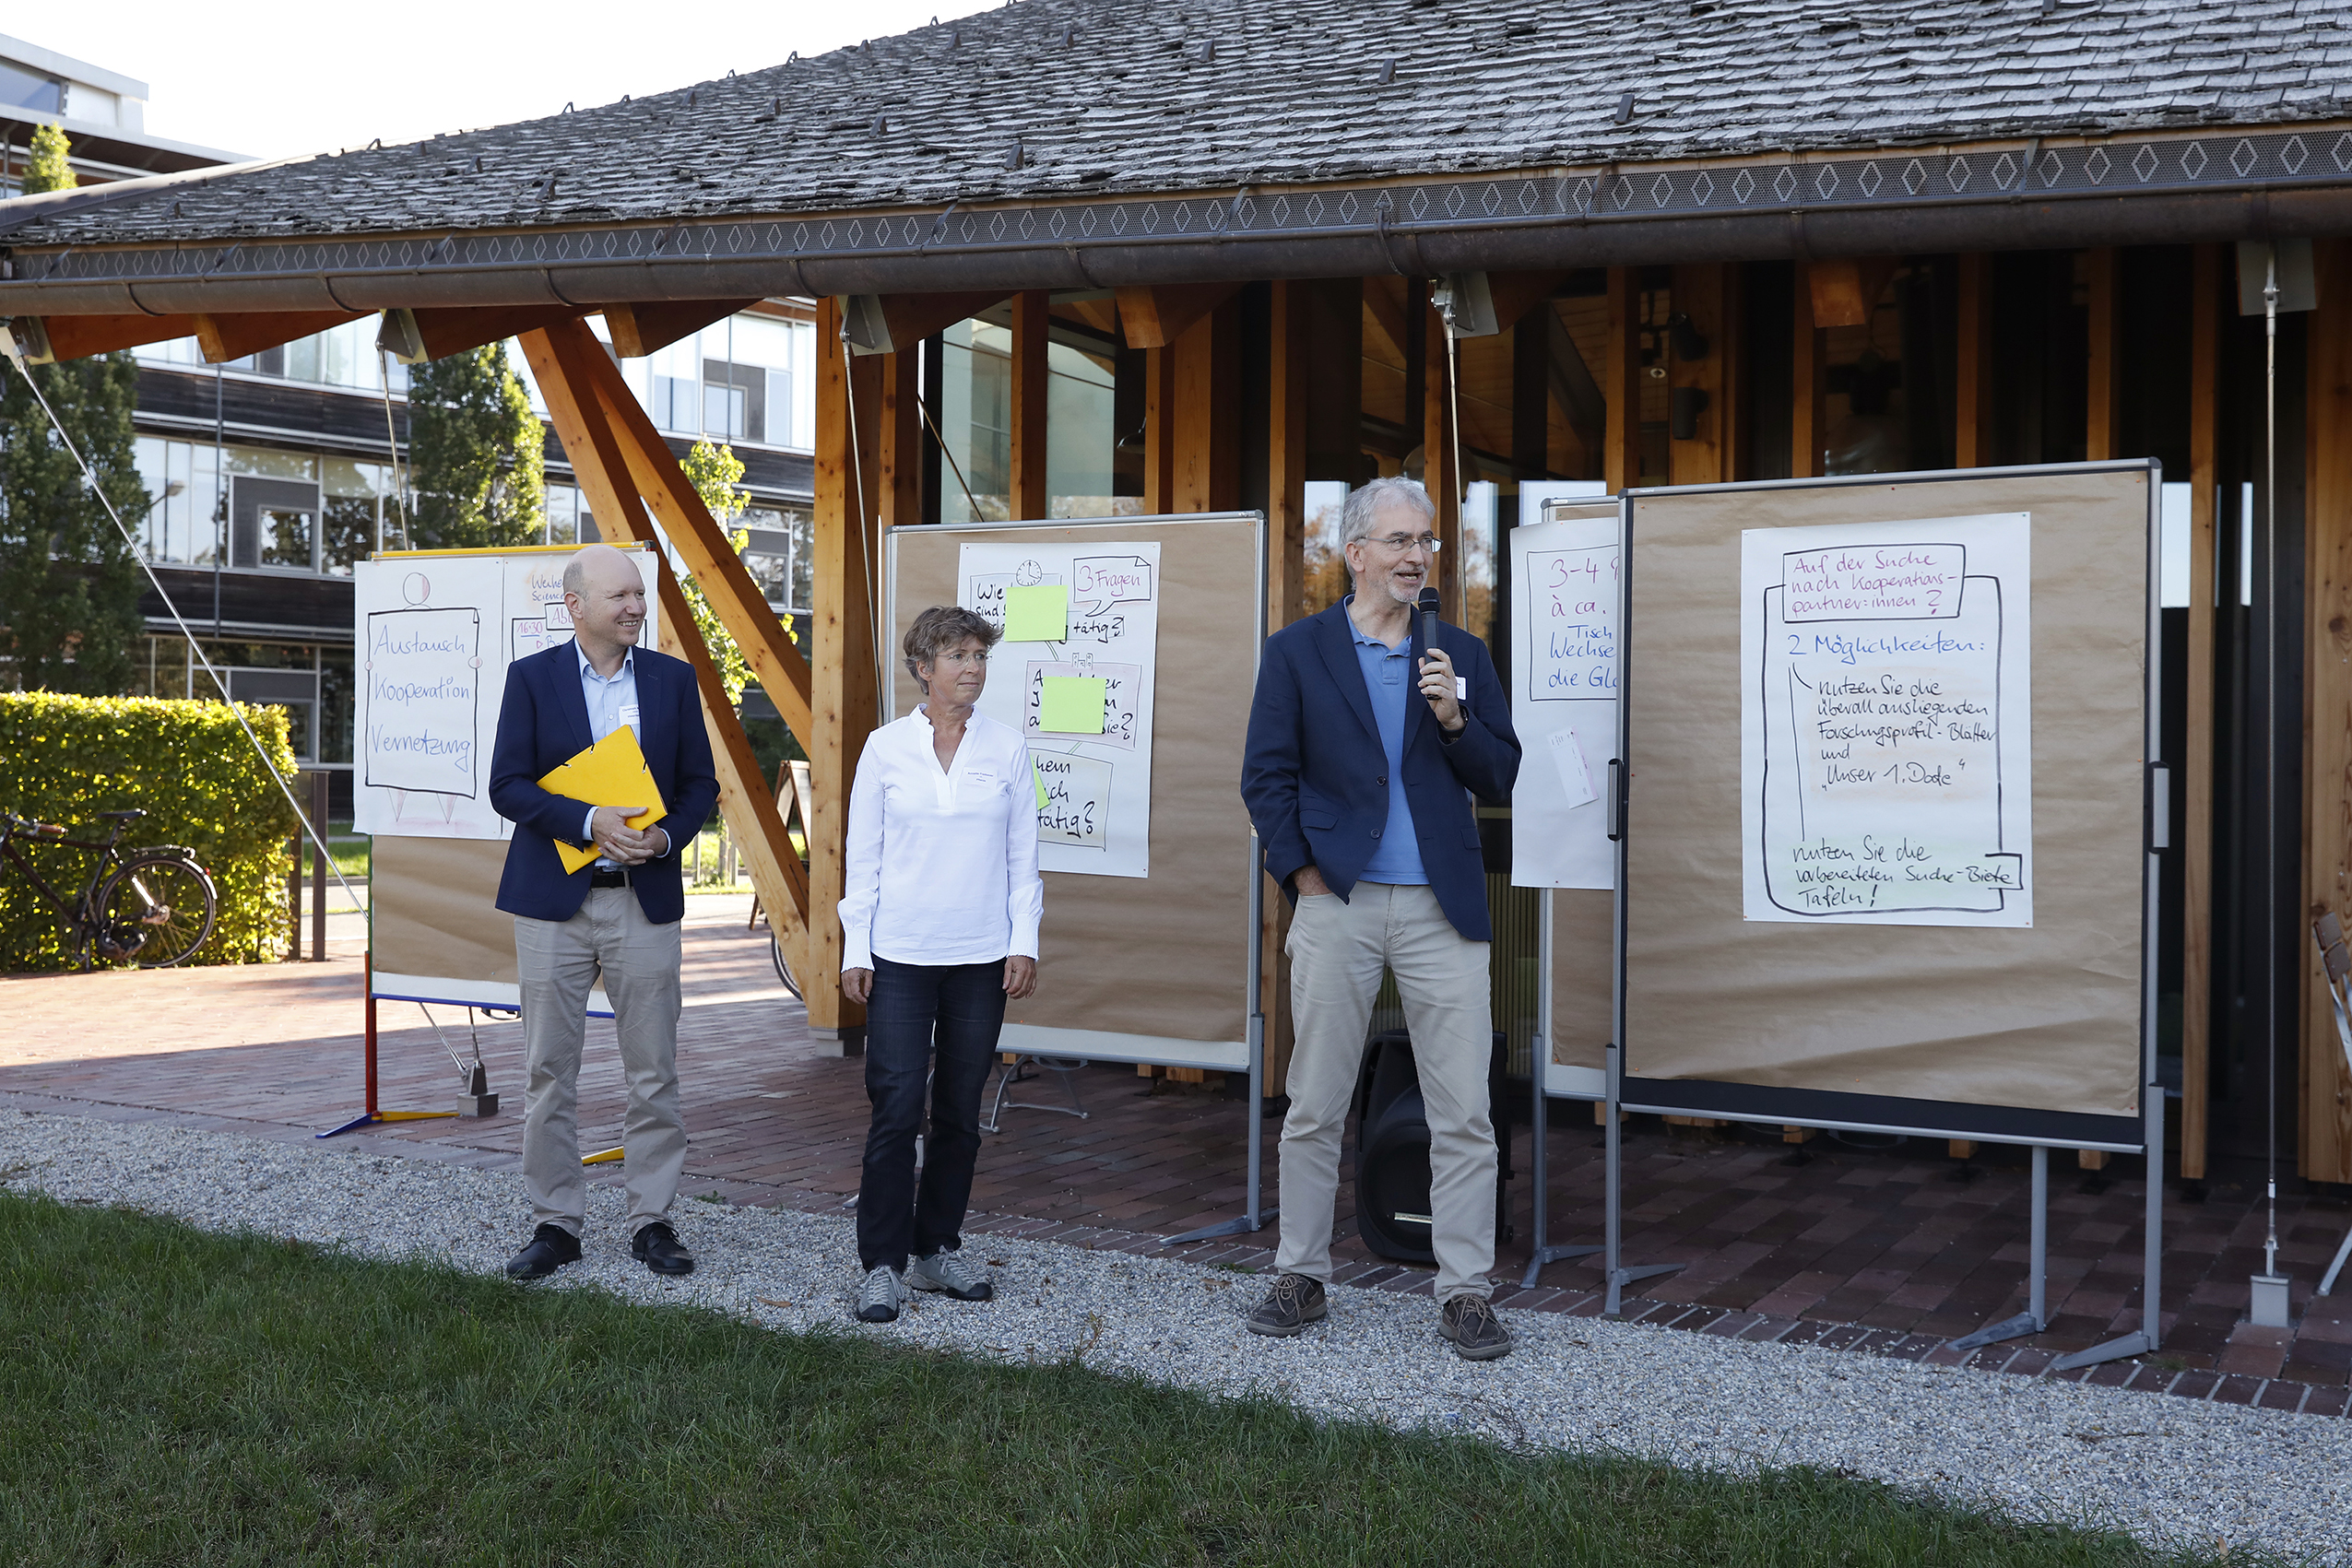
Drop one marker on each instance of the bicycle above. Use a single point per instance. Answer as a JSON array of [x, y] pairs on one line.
[[154, 903]]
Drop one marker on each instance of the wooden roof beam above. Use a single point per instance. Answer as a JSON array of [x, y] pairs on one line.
[[233, 335], [883, 323], [435, 333], [55, 338], [1156, 315], [1845, 289], [639, 329]]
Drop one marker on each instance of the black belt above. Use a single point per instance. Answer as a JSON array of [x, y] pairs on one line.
[[609, 877]]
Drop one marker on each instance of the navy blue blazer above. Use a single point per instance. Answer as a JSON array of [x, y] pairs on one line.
[[545, 725], [1316, 779]]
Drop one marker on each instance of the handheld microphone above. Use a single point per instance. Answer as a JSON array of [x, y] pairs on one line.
[[1428, 604]]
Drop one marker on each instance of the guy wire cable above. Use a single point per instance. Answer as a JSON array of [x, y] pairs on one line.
[[2270, 757], [391, 445], [15, 352], [960, 482]]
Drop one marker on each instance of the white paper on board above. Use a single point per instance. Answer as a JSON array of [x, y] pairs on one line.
[[1097, 816], [1575, 779], [433, 636], [1886, 746], [1564, 699]]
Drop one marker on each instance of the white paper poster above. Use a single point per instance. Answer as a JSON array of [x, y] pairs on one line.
[[433, 635], [1563, 702], [1083, 699], [1887, 749]]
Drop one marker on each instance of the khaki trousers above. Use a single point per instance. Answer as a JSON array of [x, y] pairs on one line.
[[1337, 952], [559, 961]]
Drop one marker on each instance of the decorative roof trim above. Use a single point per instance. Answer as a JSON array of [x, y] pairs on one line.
[[582, 264]]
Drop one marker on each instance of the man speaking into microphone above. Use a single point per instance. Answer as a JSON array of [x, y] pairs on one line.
[[1367, 739]]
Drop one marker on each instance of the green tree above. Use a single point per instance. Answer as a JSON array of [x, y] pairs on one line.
[[715, 470], [69, 589], [477, 453], [49, 170]]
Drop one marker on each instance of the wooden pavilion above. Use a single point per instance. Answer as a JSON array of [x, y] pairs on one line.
[[1735, 239]]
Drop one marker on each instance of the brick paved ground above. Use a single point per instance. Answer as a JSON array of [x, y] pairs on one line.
[[1881, 1252]]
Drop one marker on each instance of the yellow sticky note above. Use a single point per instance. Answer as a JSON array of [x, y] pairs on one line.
[[1039, 614], [1072, 704], [1037, 779]]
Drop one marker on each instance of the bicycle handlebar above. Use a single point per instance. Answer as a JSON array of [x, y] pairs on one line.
[[15, 824]]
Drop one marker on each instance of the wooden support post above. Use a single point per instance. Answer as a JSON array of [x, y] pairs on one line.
[[1206, 424], [609, 460], [2323, 1149], [1288, 367], [901, 455], [1441, 466], [2104, 439], [1972, 424], [1029, 314], [2090, 1159], [1799, 1135], [1159, 430], [846, 691], [1621, 386], [1960, 1148], [1807, 416], [2196, 766], [1704, 459]]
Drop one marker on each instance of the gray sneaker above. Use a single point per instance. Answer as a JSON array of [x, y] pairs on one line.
[[879, 1297], [947, 1273], [1294, 1302], [1478, 1335]]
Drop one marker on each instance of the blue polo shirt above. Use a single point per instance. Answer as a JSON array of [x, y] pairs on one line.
[[1388, 677]]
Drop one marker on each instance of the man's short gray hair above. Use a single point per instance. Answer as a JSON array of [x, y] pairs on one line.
[[938, 629], [1365, 503]]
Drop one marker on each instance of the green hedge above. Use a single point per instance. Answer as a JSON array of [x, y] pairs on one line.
[[189, 766]]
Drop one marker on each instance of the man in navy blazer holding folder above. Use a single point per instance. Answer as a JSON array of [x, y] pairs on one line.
[[1365, 748], [619, 915]]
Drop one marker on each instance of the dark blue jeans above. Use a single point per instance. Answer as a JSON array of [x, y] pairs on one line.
[[916, 1008]]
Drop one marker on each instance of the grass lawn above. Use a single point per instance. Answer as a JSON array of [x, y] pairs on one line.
[[168, 1396], [348, 850]]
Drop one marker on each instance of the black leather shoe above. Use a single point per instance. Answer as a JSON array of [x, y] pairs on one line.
[[552, 1247], [657, 1247]]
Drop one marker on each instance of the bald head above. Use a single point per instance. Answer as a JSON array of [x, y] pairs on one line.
[[606, 597], [594, 563]]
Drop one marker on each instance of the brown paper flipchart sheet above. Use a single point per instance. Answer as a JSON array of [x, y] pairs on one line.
[[2046, 1018], [1584, 957], [435, 909], [1166, 955]]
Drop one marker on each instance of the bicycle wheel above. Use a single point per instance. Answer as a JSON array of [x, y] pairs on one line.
[[158, 909], [784, 970]]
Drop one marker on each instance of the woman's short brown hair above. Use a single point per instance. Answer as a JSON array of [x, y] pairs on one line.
[[938, 629]]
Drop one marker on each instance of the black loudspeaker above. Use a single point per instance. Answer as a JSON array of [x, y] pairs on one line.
[[1392, 1148]]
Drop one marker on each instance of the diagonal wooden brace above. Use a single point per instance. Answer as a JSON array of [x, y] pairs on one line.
[[598, 460]]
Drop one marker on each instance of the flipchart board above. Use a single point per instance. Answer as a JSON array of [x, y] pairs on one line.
[[1564, 705], [1149, 936], [1890, 748], [435, 631]]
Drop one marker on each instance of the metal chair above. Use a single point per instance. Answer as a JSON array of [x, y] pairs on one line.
[[2328, 932], [1016, 1070]]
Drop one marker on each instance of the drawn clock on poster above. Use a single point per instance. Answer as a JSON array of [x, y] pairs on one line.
[[1074, 674], [1886, 751]]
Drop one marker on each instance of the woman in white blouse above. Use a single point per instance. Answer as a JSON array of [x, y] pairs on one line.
[[938, 930]]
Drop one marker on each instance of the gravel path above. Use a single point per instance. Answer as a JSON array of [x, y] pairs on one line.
[[2171, 1471]]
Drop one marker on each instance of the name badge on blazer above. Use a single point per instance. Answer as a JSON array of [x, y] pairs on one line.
[[629, 712], [979, 778]]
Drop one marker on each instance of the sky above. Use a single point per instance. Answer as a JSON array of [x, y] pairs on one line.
[[271, 78]]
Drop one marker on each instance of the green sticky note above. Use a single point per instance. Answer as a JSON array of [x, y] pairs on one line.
[[1072, 704], [1039, 614], [1038, 780]]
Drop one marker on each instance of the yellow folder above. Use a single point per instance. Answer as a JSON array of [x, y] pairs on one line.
[[611, 772]]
